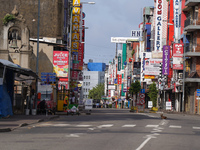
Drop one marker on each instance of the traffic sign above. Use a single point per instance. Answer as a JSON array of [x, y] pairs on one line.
[[198, 94], [142, 95], [142, 101]]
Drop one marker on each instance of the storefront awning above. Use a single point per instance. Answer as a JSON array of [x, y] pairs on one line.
[[22, 74]]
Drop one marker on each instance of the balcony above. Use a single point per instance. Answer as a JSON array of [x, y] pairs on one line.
[[190, 52], [192, 77], [191, 2], [191, 25]]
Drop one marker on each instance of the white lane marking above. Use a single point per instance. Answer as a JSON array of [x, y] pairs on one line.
[[45, 124], [82, 125], [128, 125], [143, 144], [76, 135], [60, 125], [105, 126], [197, 128], [91, 128], [172, 126], [151, 126]]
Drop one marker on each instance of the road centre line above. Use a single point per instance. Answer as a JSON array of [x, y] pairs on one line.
[[151, 126], [83, 125], [197, 128], [177, 127], [128, 125], [105, 126]]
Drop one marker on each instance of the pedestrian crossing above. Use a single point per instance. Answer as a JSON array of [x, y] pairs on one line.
[[92, 127]]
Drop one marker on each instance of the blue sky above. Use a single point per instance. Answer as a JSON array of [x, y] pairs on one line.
[[110, 18]]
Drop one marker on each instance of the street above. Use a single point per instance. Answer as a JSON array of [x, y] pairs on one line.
[[108, 129]]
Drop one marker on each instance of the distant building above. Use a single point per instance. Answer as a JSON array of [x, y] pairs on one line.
[[93, 74]]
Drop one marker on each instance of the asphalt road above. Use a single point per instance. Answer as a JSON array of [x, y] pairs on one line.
[[108, 129]]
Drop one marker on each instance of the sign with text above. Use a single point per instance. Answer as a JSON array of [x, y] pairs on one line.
[[166, 53], [60, 63]]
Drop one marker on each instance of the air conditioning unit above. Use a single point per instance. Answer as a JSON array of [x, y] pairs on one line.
[[180, 81], [180, 75]]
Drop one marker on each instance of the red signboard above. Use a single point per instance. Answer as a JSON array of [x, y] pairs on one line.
[[80, 56], [119, 79], [60, 63], [63, 82], [178, 50]]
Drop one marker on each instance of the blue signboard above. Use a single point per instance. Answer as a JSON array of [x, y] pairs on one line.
[[142, 91], [48, 77]]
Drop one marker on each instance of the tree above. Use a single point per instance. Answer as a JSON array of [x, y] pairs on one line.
[[153, 93], [97, 92], [135, 88]]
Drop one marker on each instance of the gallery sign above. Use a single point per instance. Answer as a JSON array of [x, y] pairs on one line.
[[159, 22]]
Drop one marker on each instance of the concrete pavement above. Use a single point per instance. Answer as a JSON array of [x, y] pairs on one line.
[[16, 121]]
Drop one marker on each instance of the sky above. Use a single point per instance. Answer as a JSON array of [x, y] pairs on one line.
[[106, 19]]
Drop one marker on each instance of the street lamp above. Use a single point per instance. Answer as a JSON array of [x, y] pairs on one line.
[[184, 42], [37, 57]]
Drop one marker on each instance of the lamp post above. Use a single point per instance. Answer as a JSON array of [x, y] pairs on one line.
[[37, 57], [183, 97]]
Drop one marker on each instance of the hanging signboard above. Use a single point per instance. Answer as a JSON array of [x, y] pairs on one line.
[[166, 53]]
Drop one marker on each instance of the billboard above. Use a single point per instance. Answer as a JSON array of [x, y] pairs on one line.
[[60, 63], [152, 66]]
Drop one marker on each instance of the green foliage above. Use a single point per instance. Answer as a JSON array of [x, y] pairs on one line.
[[97, 92], [7, 18], [135, 87], [153, 93]]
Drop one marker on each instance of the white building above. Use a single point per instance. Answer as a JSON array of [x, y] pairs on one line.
[[90, 80]]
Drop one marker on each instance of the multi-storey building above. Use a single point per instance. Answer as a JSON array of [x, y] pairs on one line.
[[93, 74]]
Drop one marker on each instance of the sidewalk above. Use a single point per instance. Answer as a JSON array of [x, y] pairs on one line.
[[17, 121]]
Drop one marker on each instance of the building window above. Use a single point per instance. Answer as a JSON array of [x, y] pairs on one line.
[[89, 77], [84, 77], [83, 83]]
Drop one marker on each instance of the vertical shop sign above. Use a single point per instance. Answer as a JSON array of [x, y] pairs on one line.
[[176, 19], [119, 62], [166, 53], [178, 56], [159, 21]]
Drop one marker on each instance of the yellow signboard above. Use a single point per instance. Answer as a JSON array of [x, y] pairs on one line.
[[76, 11], [75, 36], [75, 28], [76, 2], [75, 19], [149, 77]]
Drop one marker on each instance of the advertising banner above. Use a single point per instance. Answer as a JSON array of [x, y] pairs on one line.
[[176, 19], [159, 23], [80, 56], [166, 59], [152, 66], [119, 60], [63, 82], [60, 63], [177, 63], [178, 50], [178, 56], [119, 79]]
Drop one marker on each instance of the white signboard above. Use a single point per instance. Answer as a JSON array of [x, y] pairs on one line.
[[159, 22], [150, 104], [176, 19], [168, 105], [152, 66], [123, 39], [88, 104], [111, 86]]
